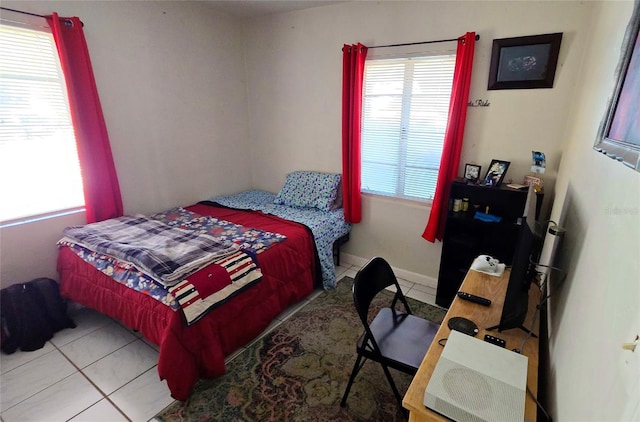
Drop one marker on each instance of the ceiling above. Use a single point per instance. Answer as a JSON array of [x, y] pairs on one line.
[[255, 8]]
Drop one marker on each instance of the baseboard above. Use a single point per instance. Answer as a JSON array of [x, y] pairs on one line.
[[424, 280]]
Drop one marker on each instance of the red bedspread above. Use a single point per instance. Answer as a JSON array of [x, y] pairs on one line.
[[198, 351]]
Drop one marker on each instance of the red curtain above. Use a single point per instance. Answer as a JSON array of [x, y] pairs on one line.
[[452, 147], [101, 189], [353, 57]]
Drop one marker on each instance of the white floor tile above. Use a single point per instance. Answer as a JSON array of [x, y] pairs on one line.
[[351, 272], [12, 361], [87, 321], [59, 402], [97, 344], [421, 296], [144, 397], [405, 283], [403, 286], [123, 365], [341, 270], [138, 334], [152, 345], [26, 380], [423, 288], [101, 411], [404, 289]]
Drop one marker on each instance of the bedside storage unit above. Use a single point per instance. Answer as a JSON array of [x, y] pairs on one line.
[[466, 237]]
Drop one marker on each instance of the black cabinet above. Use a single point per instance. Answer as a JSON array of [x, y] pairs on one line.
[[466, 237]]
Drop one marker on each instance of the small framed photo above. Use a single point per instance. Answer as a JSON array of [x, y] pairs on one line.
[[495, 174], [524, 62], [472, 172]]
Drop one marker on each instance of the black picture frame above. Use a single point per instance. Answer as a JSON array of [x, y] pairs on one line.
[[472, 172], [524, 62], [496, 173], [619, 133]]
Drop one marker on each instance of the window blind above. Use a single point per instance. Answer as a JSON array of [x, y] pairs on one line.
[[39, 168], [405, 111]]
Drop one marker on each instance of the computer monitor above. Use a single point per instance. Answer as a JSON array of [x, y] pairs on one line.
[[516, 301]]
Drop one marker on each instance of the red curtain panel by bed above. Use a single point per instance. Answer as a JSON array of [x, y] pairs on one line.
[[101, 189], [353, 58], [453, 136]]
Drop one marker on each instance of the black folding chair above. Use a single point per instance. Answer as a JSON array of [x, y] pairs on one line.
[[397, 340]]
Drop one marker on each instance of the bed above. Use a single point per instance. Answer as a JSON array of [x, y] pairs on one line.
[[288, 244]]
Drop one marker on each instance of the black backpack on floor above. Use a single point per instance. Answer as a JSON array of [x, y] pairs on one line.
[[31, 313]]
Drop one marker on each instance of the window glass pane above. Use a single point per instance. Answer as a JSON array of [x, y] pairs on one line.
[[424, 148], [405, 111], [381, 136], [39, 169], [420, 181], [385, 79], [379, 178]]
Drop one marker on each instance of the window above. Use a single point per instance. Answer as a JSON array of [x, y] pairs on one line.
[[619, 133], [39, 168], [405, 112]]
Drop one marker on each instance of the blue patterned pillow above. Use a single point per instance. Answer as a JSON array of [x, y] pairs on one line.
[[310, 189]]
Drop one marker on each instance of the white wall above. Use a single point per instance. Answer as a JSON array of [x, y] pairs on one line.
[[294, 67], [597, 308], [170, 79]]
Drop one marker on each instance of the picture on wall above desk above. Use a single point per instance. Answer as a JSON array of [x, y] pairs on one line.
[[524, 62], [495, 174], [619, 133]]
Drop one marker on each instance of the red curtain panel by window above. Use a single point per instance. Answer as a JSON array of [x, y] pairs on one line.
[[101, 189], [453, 137], [353, 58]]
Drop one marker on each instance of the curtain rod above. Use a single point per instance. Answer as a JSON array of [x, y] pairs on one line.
[[421, 42], [66, 21]]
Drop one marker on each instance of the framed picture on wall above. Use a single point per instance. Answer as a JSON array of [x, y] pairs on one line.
[[495, 174], [619, 133], [524, 62]]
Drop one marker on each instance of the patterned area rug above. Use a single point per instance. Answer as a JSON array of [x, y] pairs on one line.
[[298, 372]]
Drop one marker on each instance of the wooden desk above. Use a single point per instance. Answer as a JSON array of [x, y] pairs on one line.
[[493, 288]]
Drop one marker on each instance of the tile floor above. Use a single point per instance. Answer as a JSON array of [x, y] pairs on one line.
[[102, 371]]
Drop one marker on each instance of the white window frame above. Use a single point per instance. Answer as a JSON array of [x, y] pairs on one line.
[[39, 196], [403, 189]]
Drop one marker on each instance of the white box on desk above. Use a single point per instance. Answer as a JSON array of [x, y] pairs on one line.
[[477, 381]]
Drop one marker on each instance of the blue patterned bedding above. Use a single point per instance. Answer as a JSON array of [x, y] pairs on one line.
[[326, 226]]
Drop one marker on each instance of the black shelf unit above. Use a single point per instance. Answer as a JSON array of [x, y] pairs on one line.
[[465, 237]]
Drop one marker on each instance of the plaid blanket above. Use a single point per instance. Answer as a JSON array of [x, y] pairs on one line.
[[165, 253]]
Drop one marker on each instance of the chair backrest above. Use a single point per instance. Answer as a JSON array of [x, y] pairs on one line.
[[375, 276]]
